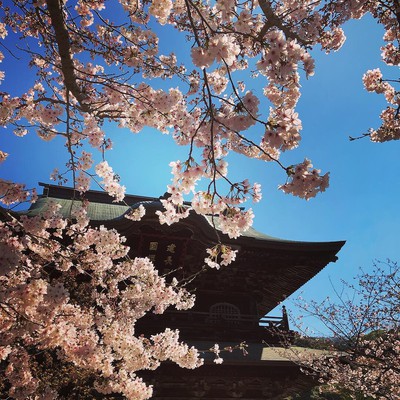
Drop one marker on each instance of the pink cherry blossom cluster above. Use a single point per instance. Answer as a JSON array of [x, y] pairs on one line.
[[221, 48], [82, 182], [18, 373], [3, 156], [216, 350], [110, 181], [220, 255], [161, 10], [305, 182], [390, 129], [85, 161], [373, 79], [11, 193], [203, 203], [234, 222], [80, 303], [136, 214], [173, 213]]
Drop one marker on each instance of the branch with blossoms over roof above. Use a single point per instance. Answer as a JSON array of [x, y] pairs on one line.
[[97, 95]]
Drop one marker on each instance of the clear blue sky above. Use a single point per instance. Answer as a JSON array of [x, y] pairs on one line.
[[361, 205]]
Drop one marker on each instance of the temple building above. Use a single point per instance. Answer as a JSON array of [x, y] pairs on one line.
[[232, 303]]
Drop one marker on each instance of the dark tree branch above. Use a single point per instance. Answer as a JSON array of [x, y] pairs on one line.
[[55, 8], [274, 20]]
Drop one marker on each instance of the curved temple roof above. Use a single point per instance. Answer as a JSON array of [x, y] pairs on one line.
[[268, 267], [102, 209]]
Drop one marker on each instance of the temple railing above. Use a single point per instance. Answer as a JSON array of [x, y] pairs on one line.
[[205, 325], [273, 322], [243, 320]]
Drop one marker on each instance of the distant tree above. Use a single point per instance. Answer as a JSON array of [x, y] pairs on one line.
[[69, 294], [324, 393], [365, 328], [319, 343]]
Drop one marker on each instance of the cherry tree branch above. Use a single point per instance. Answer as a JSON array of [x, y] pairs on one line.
[[274, 20], [55, 9]]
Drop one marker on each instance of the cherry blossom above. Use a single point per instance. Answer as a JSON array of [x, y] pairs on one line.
[[220, 255], [42, 310], [305, 182], [136, 214]]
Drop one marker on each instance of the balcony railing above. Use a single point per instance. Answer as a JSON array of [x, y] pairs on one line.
[[205, 325], [241, 319]]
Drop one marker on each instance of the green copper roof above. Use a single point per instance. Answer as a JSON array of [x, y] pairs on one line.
[[96, 211], [108, 212], [101, 208]]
